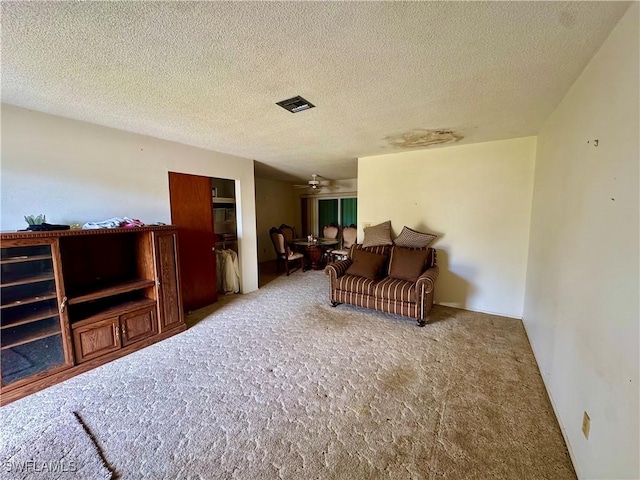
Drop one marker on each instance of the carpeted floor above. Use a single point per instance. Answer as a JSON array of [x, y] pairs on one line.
[[60, 449], [277, 384]]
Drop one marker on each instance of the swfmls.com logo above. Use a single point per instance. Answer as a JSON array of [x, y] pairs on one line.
[[35, 466]]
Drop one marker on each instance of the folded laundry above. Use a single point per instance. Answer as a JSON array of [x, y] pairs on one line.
[[114, 222]]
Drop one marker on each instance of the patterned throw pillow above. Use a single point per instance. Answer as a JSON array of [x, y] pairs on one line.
[[409, 238], [377, 235]]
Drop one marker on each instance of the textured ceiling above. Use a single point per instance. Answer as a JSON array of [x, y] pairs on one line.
[[209, 74]]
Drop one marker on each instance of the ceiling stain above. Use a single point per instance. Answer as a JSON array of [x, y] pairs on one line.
[[424, 137]]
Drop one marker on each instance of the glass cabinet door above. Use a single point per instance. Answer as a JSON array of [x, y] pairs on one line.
[[31, 337]]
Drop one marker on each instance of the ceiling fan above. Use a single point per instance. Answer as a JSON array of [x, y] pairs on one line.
[[314, 185]]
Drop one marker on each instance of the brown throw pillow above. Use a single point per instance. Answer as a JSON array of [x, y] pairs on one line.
[[366, 264], [407, 263], [377, 235]]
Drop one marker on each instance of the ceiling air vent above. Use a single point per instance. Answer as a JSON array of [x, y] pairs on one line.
[[295, 104]]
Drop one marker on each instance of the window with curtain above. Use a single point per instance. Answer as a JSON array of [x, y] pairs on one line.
[[341, 211], [348, 211]]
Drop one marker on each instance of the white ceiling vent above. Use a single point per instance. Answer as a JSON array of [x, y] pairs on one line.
[[295, 104]]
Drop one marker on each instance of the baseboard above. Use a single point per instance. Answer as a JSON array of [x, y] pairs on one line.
[[498, 314], [563, 430]]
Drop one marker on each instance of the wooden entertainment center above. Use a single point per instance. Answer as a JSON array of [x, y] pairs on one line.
[[72, 300]]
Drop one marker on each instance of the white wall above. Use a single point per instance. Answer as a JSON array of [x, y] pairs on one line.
[[75, 172], [582, 292], [477, 198], [276, 203]]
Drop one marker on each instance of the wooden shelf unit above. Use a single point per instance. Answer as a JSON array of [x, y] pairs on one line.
[[90, 295], [114, 289], [114, 311], [26, 280], [25, 258], [26, 336], [34, 317], [38, 298]]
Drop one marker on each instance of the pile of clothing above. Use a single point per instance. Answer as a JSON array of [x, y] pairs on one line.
[[227, 271], [115, 222]]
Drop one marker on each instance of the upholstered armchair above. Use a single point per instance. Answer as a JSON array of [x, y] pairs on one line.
[[288, 232], [349, 237], [284, 255], [330, 231]]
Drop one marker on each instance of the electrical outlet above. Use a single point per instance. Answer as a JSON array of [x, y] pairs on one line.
[[366, 225], [586, 425]]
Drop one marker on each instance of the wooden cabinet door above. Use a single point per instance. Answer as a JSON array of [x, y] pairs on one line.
[[96, 339], [34, 339], [192, 212], [168, 284], [138, 325]]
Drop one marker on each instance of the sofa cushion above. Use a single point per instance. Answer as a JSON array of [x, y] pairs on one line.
[[407, 263], [377, 235], [366, 264], [413, 239], [395, 289], [355, 284]]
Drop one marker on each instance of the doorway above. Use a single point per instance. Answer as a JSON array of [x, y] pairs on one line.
[[203, 209]]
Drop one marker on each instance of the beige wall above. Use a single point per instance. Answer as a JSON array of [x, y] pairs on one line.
[[477, 198], [75, 172], [276, 203], [581, 309]]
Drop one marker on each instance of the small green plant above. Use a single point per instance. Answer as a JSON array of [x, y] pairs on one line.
[[33, 220]]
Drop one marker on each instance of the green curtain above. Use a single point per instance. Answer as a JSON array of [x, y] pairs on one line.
[[349, 210], [327, 213]]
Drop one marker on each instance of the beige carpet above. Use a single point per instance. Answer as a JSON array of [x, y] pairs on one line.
[[277, 384], [60, 449]]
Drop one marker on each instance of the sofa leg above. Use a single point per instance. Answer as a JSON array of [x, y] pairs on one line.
[[422, 323], [334, 304]]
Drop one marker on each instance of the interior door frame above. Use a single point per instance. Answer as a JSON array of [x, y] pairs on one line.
[[191, 205]]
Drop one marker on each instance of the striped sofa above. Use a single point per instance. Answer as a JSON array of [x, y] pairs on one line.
[[400, 297]]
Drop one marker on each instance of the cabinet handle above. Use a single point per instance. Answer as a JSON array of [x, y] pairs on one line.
[[124, 331], [63, 305], [117, 333]]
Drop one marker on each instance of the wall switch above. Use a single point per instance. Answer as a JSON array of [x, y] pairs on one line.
[[366, 225], [586, 425]]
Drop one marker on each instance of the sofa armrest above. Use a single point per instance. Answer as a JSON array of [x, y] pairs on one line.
[[428, 279], [425, 289], [336, 270]]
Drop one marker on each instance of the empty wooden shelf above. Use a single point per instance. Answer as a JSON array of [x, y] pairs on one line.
[[75, 299]]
